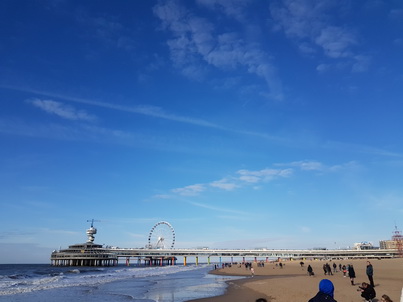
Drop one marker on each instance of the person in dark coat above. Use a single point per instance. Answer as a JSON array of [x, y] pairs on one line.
[[328, 269], [326, 292], [370, 273], [367, 291], [310, 270], [351, 273]]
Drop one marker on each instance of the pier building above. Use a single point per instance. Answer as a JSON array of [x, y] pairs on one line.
[[85, 254]]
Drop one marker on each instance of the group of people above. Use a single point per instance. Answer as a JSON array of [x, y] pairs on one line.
[[326, 288], [350, 269]]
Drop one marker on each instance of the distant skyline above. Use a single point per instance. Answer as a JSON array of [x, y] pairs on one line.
[[244, 124]]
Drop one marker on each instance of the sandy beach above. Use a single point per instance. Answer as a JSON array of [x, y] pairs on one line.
[[292, 283]]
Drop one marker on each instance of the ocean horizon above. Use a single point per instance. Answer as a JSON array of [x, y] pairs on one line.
[[43, 282]]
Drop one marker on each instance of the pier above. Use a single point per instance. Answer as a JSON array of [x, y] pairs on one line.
[[91, 254]]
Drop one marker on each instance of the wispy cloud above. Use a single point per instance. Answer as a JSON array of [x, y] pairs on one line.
[[22, 128], [231, 8], [198, 44], [107, 29], [253, 178], [190, 190], [240, 179], [224, 184], [336, 42], [309, 25], [263, 175], [305, 165], [311, 165], [147, 110], [217, 209], [62, 110]]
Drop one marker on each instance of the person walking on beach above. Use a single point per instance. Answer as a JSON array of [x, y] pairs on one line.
[[252, 271], [344, 269], [334, 267], [328, 269], [351, 273], [370, 273], [326, 292], [310, 270]]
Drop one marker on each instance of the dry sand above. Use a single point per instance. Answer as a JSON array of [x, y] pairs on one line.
[[292, 283]]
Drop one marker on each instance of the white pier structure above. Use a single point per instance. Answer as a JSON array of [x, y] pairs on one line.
[[160, 251], [167, 256]]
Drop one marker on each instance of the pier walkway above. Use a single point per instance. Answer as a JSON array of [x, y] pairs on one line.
[[248, 255]]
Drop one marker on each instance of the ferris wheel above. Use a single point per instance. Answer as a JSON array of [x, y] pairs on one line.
[[162, 236]]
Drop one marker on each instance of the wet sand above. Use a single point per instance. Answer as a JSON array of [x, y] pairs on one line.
[[292, 283]]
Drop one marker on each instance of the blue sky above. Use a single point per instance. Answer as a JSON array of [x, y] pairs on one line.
[[244, 124]]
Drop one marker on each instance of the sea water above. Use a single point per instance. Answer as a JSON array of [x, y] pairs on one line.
[[45, 283]]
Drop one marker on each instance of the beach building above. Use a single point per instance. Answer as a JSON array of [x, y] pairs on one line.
[[363, 246], [85, 254]]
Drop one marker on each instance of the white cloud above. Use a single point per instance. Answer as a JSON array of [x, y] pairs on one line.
[[62, 110], [223, 184], [336, 42], [308, 165], [246, 177], [190, 190], [249, 178], [263, 175]]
